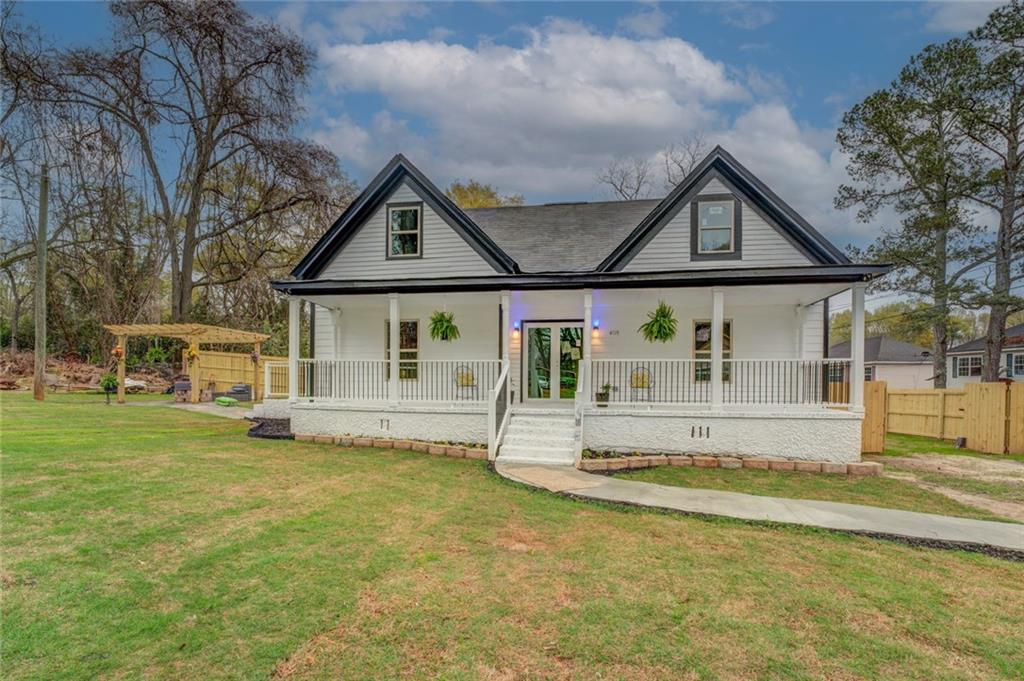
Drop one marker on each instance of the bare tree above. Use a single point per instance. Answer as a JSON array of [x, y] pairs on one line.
[[222, 88], [628, 178], [680, 158]]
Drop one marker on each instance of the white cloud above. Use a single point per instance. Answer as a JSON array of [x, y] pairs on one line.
[[745, 15], [957, 16], [542, 118], [359, 20], [649, 22]]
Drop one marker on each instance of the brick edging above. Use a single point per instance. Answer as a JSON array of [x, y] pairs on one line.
[[861, 468], [453, 451]]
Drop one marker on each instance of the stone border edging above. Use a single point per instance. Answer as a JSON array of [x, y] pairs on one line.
[[610, 465], [453, 451]]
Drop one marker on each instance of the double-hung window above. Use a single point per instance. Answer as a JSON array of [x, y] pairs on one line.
[[702, 349], [405, 230], [1017, 364], [968, 366], [716, 227], [408, 348]]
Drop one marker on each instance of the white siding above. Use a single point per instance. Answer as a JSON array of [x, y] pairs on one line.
[[761, 245], [814, 332], [904, 375], [954, 381], [445, 253]]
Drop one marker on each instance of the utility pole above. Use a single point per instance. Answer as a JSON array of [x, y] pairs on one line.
[[38, 387]]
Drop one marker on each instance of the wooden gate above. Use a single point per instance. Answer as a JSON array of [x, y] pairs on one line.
[[872, 433], [225, 369]]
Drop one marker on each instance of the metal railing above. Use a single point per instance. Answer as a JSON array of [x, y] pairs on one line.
[[666, 381], [786, 381], [744, 381], [369, 380]]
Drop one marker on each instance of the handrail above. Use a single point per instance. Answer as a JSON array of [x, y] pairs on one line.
[[497, 412], [579, 401]]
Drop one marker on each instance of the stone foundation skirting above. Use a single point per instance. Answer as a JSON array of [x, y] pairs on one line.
[[861, 468], [435, 448]]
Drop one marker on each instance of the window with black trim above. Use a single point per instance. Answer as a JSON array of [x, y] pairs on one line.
[[408, 348], [702, 349], [716, 221], [405, 231]]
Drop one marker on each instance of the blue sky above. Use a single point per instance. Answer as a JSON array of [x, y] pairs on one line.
[[538, 97]]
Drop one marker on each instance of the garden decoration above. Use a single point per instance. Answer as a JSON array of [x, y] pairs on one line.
[[442, 326], [254, 357], [602, 396], [108, 382], [117, 352], [191, 355], [661, 325]]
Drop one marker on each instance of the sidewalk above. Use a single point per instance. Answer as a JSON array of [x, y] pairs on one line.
[[825, 514]]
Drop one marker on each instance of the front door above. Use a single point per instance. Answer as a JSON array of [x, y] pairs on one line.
[[553, 354]]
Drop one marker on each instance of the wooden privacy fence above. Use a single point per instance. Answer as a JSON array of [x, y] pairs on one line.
[[225, 369], [989, 415]]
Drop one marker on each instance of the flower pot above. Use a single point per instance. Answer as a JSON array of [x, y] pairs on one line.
[[602, 399]]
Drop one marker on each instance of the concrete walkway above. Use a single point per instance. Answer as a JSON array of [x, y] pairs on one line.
[[211, 408], [826, 514]]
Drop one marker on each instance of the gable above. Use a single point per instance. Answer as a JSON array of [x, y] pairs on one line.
[[401, 181], [443, 251], [762, 212], [759, 243]]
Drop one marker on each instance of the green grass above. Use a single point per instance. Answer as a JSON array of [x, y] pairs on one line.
[[908, 445], [872, 491], [159, 543]]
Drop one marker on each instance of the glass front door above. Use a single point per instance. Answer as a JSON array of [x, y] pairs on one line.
[[553, 354]]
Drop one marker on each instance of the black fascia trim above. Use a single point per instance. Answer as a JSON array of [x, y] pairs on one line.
[[737, 228], [608, 280], [766, 203], [352, 219]]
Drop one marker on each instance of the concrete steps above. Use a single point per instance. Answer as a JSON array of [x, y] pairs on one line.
[[540, 438]]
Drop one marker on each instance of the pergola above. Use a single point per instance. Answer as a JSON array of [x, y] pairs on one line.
[[194, 335]]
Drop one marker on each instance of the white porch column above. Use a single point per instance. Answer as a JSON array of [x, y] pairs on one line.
[[294, 314], [506, 314], [394, 331], [588, 317], [336, 317], [717, 331], [857, 349]]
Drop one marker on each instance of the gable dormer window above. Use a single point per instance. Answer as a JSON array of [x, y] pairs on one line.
[[716, 233], [405, 230]]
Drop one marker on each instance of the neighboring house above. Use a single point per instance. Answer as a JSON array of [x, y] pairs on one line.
[[965, 360], [548, 301], [899, 364]]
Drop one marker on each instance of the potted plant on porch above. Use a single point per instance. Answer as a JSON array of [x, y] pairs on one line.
[[442, 326], [603, 394]]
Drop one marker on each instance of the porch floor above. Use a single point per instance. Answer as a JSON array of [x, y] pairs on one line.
[[825, 514]]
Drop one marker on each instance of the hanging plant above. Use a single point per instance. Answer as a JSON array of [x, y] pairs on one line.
[[117, 352], [661, 325], [191, 355], [442, 326]]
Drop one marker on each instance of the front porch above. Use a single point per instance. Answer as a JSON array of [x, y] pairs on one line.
[[743, 355]]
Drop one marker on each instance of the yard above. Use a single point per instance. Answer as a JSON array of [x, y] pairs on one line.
[[142, 541]]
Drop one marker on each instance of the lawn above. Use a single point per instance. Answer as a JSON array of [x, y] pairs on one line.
[[884, 492], [150, 542], [907, 445]]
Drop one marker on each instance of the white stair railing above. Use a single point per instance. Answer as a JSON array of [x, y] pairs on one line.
[[498, 412]]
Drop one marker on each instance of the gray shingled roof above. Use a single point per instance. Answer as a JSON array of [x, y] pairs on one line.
[[1014, 340], [562, 237], [884, 349]]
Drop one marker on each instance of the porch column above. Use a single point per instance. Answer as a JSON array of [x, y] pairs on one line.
[[717, 330], [857, 349], [336, 316], [294, 314], [506, 313], [588, 322], [393, 346]]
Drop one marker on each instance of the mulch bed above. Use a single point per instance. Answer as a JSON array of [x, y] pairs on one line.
[[272, 429]]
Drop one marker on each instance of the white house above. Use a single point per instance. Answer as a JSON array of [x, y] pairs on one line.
[[966, 359], [548, 301], [899, 364]]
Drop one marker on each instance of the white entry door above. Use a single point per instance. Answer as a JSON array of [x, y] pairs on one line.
[[551, 360]]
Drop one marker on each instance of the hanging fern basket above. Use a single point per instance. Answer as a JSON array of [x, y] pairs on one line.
[[661, 325], [442, 326]]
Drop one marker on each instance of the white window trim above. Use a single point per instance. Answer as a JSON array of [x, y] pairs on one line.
[[726, 353], [964, 364], [418, 232], [732, 225]]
